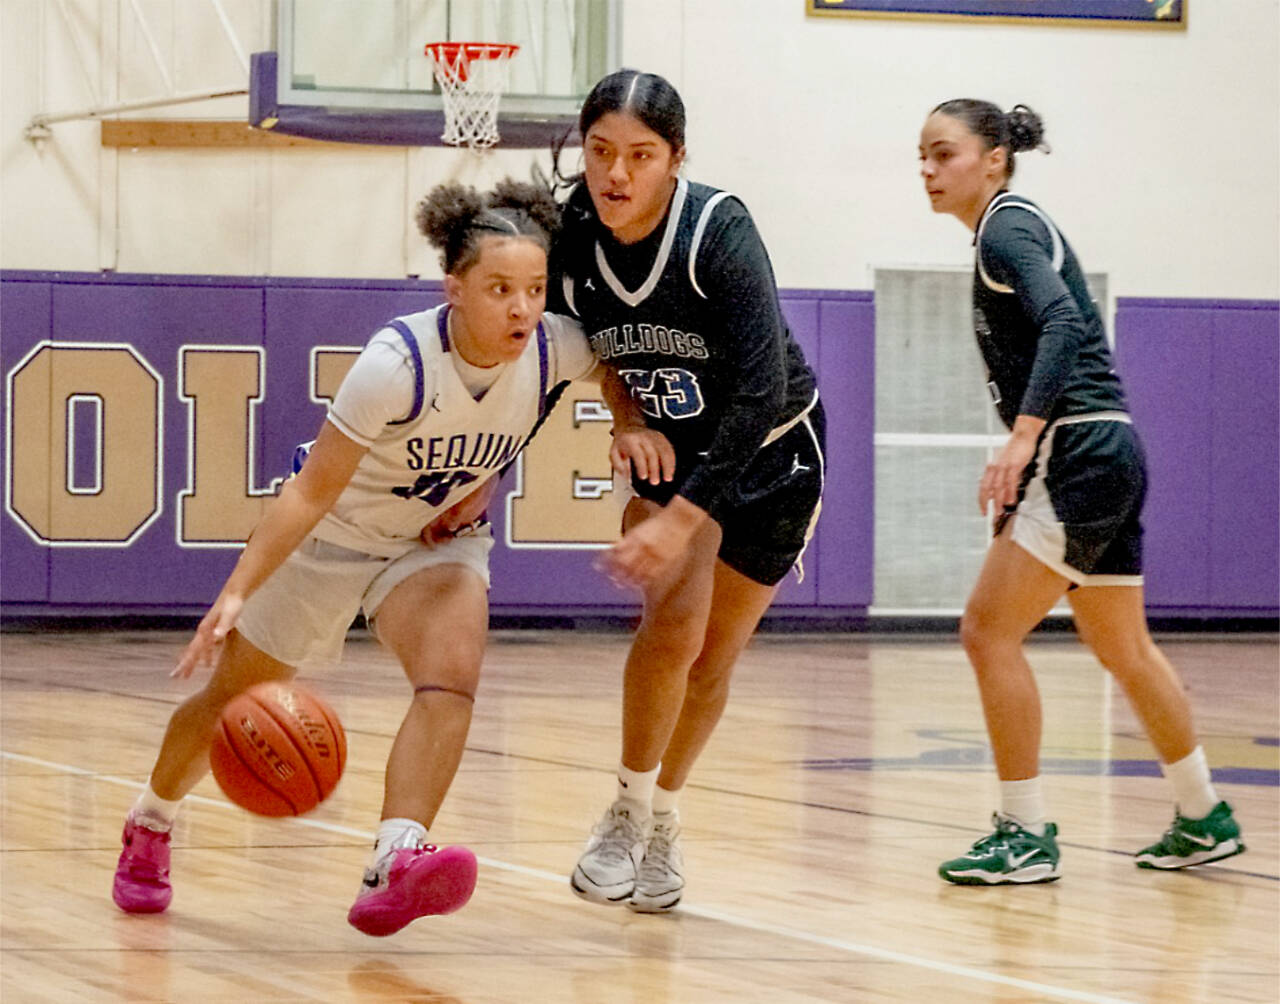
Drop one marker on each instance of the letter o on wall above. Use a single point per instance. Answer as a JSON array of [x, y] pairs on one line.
[[39, 496]]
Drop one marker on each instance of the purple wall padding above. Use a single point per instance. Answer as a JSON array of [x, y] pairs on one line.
[[1201, 375], [1202, 378], [25, 320], [158, 315]]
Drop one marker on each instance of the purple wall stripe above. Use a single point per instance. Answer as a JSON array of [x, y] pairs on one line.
[[1202, 376], [1203, 386]]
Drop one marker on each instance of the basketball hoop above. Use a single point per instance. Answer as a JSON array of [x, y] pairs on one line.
[[472, 77]]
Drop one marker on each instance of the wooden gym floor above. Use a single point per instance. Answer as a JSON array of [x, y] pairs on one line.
[[845, 769]]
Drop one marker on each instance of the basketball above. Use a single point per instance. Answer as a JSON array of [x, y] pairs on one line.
[[278, 750]]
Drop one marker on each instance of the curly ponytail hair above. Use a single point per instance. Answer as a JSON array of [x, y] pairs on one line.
[[1017, 130], [456, 219]]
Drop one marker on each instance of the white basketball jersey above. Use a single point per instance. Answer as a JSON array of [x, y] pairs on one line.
[[448, 444]]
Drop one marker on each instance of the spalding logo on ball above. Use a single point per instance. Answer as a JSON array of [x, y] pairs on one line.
[[278, 750]]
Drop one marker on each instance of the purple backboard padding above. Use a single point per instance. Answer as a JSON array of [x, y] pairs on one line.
[[25, 311], [1202, 382], [394, 127]]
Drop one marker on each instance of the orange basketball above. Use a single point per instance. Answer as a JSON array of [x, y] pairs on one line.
[[278, 750]]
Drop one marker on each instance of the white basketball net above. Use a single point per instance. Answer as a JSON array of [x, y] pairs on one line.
[[472, 77]]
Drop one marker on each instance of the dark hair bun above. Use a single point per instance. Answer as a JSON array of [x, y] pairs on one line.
[[446, 213], [534, 199], [1026, 128]]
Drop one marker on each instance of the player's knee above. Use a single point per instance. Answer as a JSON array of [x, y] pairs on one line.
[[452, 667], [708, 685], [678, 633], [974, 634], [1125, 657], [984, 641]]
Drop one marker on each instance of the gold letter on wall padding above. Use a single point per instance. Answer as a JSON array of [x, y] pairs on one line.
[[564, 491], [124, 498], [221, 385]]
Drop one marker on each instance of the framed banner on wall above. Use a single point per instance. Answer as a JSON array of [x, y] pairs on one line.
[[1135, 13]]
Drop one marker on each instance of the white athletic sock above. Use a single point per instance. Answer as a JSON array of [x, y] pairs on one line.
[[395, 833], [635, 788], [664, 801], [1024, 801], [154, 812], [1192, 789]]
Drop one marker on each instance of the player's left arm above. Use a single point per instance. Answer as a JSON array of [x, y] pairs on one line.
[[733, 270], [735, 274], [293, 514], [1017, 250], [634, 443]]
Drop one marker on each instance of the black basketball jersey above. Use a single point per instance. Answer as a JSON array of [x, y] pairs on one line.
[[1039, 330], [689, 318]]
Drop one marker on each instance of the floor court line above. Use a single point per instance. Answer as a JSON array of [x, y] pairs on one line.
[[972, 829], [718, 916]]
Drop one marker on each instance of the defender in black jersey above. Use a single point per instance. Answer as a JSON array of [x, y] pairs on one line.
[[676, 294], [1068, 487], [688, 319]]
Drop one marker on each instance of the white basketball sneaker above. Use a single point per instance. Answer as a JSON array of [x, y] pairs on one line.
[[660, 879], [606, 872]]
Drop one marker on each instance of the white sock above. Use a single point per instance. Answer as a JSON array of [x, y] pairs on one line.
[[395, 833], [154, 812], [1024, 801], [664, 801], [1192, 789], [635, 788]]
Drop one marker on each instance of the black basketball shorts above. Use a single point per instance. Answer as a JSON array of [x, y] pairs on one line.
[[1081, 499], [769, 513]]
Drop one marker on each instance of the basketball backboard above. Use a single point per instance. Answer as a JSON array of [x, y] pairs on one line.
[[342, 66]]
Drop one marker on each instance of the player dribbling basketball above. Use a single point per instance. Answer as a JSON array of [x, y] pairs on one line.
[[436, 405]]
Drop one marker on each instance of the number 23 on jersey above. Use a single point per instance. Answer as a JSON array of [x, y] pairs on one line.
[[669, 392]]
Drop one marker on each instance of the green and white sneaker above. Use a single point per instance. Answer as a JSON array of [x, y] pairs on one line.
[[1194, 841], [1010, 855]]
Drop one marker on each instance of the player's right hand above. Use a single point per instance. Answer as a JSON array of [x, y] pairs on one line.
[[212, 631], [648, 452]]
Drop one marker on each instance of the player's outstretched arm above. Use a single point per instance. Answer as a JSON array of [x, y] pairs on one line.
[[646, 551], [287, 521]]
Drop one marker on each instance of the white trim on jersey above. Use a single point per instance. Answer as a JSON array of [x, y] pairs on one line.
[[659, 261], [781, 430], [998, 203], [698, 231], [566, 285]]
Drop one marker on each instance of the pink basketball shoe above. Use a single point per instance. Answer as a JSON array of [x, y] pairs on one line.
[[410, 883], [142, 874]]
